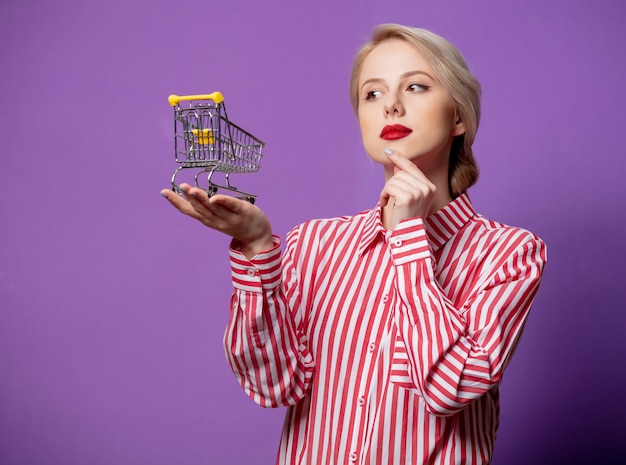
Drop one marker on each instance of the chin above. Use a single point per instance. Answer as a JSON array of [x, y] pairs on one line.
[[378, 156]]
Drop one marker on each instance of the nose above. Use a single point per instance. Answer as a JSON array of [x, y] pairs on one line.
[[393, 105]]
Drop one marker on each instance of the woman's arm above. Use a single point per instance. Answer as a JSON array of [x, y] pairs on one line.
[[457, 354], [264, 341], [264, 346]]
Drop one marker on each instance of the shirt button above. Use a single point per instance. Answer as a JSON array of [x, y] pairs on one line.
[[385, 298], [372, 347], [353, 457], [397, 243], [361, 401], [251, 272]]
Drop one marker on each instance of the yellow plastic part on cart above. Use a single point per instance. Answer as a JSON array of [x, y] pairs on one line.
[[174, 99], [203, 136]]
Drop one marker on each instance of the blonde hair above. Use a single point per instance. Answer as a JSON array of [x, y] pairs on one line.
[[452, 71]]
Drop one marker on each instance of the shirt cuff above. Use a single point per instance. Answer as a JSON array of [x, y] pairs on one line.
[[261, 272], [409, 242]]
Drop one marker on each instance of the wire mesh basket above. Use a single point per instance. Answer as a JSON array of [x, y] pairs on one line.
[[206, 141]]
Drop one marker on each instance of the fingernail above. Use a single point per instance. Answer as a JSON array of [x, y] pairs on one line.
[[164, 194], [388, 151]]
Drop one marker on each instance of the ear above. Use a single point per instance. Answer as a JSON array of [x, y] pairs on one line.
[[459, 127]]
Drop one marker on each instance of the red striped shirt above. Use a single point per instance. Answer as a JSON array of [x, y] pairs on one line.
[[387, 346]]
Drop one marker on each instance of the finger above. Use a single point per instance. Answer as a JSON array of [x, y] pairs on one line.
[[402, 194], [197, 210], [411, 182], [405, 190], [198, 199], [414, 181], [180, 203], [403, 199], [408, 182], [384, 197], [393, 188], [404, 164], [217, 206], [230, 203], [216, 202], [398, 191]]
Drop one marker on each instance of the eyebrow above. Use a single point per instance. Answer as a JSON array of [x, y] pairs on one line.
[[403, 76]]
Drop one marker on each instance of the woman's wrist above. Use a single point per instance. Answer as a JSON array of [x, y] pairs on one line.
[[252, 248]]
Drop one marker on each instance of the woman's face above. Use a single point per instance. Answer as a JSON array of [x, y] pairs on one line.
[[403, 107]]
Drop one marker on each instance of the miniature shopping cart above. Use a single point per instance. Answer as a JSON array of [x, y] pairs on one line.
[[206, 141]]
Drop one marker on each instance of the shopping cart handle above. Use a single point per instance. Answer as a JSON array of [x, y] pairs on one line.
[[217, 97]]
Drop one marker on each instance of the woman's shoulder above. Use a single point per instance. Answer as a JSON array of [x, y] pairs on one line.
[[496, 232]]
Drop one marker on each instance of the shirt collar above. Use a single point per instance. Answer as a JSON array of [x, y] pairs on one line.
[[372, 227], [445, 223], [440, 226]]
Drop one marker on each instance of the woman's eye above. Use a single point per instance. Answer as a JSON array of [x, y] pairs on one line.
[[372, 95], [417, 87]]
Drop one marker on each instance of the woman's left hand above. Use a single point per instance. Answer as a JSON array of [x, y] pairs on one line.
[[407, 194]]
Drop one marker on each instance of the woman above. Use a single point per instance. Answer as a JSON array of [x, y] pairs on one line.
[[386, 333]]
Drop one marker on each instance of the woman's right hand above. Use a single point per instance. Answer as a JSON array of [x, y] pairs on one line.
[[237, 218]]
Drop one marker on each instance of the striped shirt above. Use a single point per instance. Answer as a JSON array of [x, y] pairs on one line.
[[387, 347]]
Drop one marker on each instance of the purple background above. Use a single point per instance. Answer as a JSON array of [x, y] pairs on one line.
[[113, 306]]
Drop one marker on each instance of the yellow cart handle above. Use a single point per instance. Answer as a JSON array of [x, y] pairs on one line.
[[174, 100]]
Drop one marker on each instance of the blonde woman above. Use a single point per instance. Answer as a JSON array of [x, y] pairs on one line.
[[386, 334]]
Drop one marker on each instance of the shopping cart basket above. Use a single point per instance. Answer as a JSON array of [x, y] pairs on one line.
[[208, 142]]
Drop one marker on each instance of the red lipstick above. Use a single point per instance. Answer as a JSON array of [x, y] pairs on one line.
[[395, 131]]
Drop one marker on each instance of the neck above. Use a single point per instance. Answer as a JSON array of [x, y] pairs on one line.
[[442, 197]]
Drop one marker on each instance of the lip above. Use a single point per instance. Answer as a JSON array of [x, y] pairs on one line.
[[395, 131]]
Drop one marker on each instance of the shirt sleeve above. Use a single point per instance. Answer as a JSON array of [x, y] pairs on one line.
[[264, 346], [457, 354]]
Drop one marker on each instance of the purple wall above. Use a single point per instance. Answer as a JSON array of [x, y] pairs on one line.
[[112, 306]]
